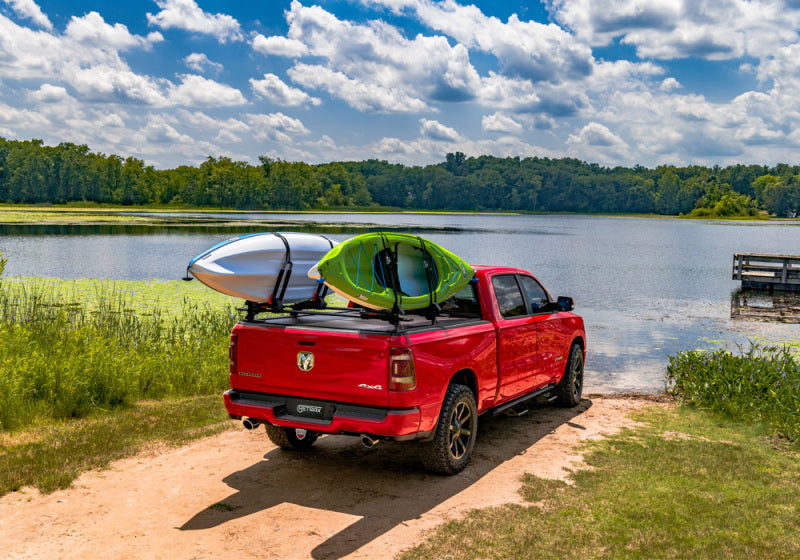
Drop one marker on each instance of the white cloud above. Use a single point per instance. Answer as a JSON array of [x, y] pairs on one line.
[[275, 90], [187, 15], [669, 84], [435, 130], [229, 131], [500, 122], [93, 30], [279, 46], [160, 132], [395, 148], [86, 57], [21, 118], [110, 120], [199, 120], [594, 134], [521, 104], [595, 142], [48, 93], [30, 10], [523, 96], [660, 127], [197, 91], [526, 49], [25, 53], [363, 96], [200, 63], [115, 83], [275, 127], [664, 29], [375, 67], [227, 137]]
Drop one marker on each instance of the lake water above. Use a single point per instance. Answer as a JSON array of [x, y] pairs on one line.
[[647, 288]]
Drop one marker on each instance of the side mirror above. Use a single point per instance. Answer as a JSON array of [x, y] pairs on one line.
[[566, 303]]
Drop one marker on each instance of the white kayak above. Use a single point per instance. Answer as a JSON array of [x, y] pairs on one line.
[[263, 267]]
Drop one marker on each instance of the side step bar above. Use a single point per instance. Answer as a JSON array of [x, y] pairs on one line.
[[524, 398]]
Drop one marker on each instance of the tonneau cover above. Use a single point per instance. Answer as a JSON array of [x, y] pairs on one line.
[[354, 323]]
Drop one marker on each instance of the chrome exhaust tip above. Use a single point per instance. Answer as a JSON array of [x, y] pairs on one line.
[[251, 423], [368, 441]]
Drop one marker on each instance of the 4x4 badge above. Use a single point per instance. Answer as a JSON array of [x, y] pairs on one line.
[[305, 360]]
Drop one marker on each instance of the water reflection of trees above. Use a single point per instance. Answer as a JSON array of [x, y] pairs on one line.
[[760, 305]]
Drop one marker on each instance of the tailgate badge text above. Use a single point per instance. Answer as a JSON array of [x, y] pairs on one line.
[[373, 387], [305, 360]]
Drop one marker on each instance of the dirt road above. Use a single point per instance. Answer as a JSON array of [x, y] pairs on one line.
[[236, 496]]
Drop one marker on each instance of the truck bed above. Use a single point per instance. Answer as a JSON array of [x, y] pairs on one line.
[[353, 322]]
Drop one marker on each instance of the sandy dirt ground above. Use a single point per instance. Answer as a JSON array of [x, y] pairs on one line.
[[236, 496]]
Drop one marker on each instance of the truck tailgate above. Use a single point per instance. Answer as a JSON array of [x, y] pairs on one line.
[[333, 365]]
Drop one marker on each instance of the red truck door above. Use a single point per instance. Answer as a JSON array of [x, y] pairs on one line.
[[517, 355], [551, 338]]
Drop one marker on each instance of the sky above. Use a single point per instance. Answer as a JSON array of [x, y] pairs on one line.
[[614, 82]]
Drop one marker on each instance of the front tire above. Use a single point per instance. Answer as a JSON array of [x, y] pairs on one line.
[[291, 438], [454, 437], [570, 388]]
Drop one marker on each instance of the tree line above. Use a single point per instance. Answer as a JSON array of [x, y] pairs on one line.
[[31, 172]]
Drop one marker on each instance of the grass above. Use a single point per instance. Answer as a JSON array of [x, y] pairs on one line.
[[51, 455], [718, 477], [80, 358], [70, 351], [685, 485], [761, 384]]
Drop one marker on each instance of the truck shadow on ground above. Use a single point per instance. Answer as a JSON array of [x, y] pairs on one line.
[[384, 486]]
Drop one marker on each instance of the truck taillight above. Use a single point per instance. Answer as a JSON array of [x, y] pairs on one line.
[[232, 354], [401, 370]]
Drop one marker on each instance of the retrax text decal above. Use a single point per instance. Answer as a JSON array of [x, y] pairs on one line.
[[301, 408]]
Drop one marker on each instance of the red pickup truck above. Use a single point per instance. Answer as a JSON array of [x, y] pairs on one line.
[[498, 343]]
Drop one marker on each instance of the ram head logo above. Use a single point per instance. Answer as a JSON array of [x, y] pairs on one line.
[[305, 360]]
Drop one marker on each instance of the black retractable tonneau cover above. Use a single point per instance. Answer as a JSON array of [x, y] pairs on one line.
[[352, 321]]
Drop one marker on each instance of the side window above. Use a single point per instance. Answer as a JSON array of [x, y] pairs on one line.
[[509, 298], [464, 304], [536, 294]]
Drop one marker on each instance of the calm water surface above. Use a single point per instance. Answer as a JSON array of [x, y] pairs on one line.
[[646, 288]]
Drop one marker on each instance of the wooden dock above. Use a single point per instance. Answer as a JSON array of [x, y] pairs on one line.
[[767, 272], [752, 305]]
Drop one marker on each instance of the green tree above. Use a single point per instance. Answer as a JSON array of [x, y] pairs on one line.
[[781, 197], [669, 185]]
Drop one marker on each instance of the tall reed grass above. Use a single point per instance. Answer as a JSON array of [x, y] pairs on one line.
[[761, 384], [65, 354]]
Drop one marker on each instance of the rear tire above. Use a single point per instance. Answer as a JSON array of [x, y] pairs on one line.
[[454, 437], [570, 388], [291, 438]]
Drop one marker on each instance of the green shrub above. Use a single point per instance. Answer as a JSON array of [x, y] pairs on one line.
[[759, 385]]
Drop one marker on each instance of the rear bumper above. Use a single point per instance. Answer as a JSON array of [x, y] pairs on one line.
[[344, 418]]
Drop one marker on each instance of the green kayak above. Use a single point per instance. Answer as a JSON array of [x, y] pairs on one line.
[[387, 270]]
